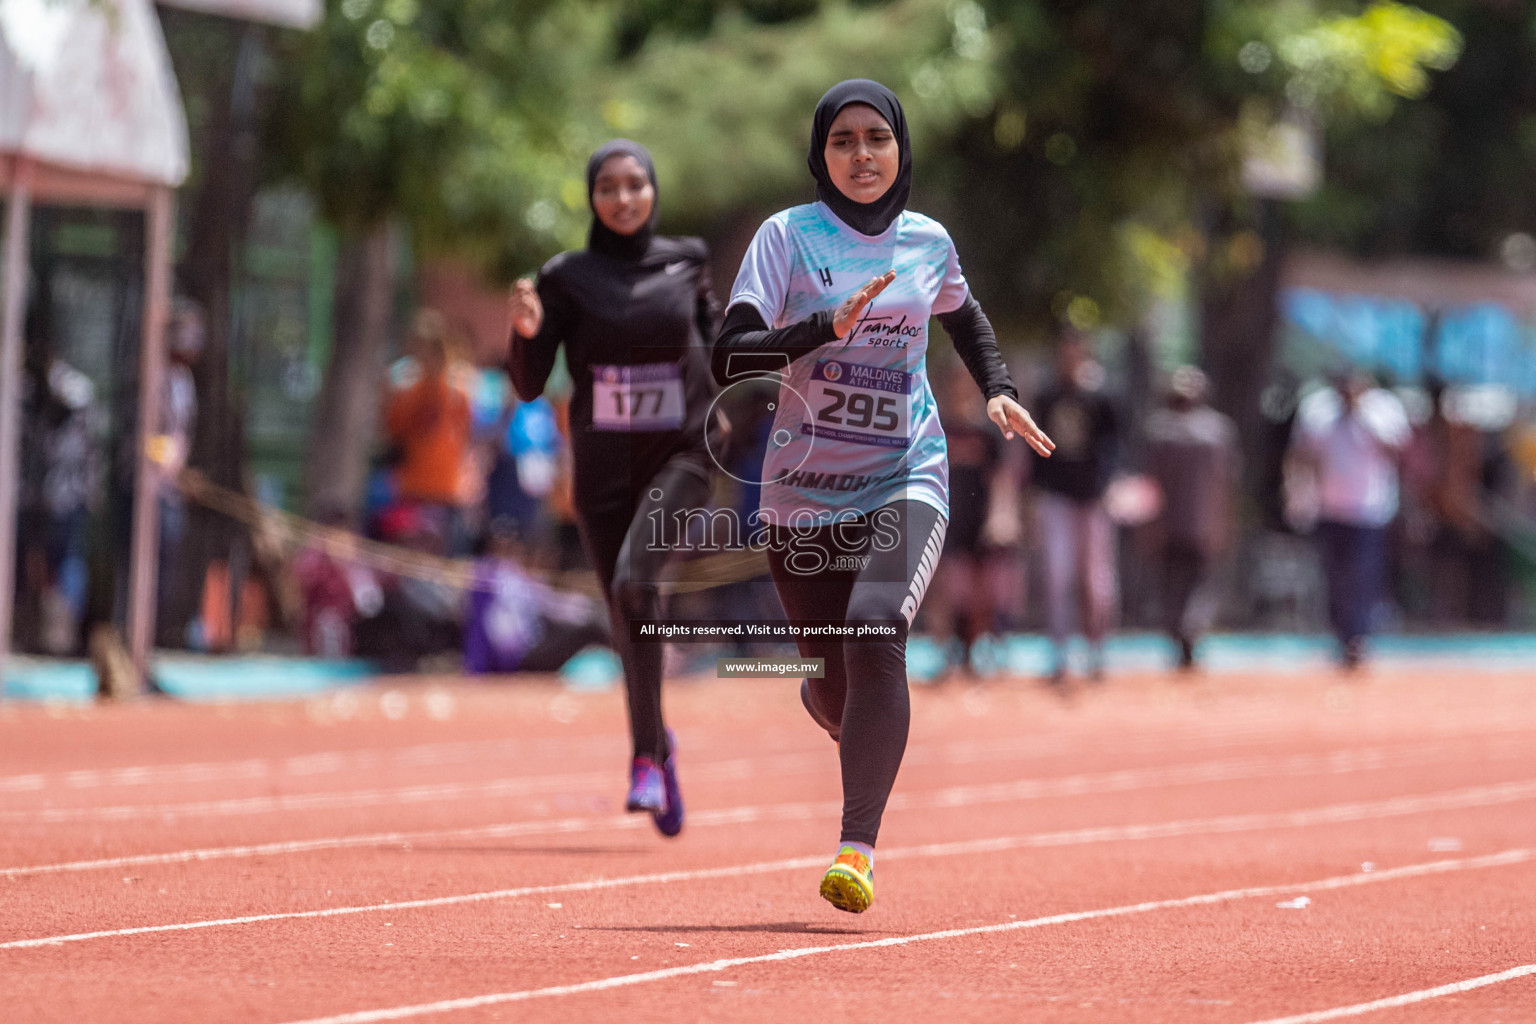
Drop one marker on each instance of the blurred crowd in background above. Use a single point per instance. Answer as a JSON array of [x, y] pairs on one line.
[[1370, 510], [1266, 273]]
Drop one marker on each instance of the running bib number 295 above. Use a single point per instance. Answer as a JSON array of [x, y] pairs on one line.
[[641, 396], [861, 404]]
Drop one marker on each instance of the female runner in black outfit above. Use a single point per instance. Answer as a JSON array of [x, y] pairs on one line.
[[634, 311]]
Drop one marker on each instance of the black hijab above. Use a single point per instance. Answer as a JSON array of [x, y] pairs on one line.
[[865, 218], [603, 239]]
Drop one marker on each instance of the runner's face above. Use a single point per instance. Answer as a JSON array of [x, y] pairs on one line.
[[623, 195], [862, 155]]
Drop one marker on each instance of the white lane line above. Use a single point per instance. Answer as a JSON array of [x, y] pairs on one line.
[[518, 785], [447, 753], [741, 768], [468, 751], [1405, 999], [714, 966], [375, 839], [439, 901], [522, 785], [23, 783], [1334, 814], [738, 768], [1337, 762], [301, 765]]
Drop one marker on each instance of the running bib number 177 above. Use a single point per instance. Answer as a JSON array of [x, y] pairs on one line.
[[641, 396], [861, 404]]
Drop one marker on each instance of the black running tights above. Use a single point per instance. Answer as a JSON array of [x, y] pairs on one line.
[[618, 538], [864, 689]]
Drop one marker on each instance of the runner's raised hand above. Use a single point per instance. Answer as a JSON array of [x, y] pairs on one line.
[[848, 313], [525, 309]]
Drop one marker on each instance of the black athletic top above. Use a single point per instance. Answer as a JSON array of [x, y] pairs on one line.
[[1086, 430], [634, 333]]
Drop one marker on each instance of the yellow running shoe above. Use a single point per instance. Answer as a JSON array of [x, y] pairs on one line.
[[849, 883]]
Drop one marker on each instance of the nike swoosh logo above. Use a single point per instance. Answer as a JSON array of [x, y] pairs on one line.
[[677, 268]]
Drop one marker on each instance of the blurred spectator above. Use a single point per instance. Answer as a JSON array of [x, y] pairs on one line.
[[1076, 537], [186, 332], [1447, 477], [962, 602], [61, 481], [1348, 442], [567, 553], [419, 616], [428, 423], [492, 405], [526, 460], [1192, 454], [337, 593], [516, 623]]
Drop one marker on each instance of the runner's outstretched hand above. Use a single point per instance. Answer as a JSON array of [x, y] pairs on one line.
[[1011, 418]]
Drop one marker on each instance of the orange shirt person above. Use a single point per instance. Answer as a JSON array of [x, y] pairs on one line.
[[429, 422]]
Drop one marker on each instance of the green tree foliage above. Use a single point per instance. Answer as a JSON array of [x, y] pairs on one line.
[[447, 115], [1448, 175], [1114, 152], [728, 116], [470, 120], [1086, 154], [1078, 147]]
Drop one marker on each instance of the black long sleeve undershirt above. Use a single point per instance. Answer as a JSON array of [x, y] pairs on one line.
[[748, 347], [976, 342]]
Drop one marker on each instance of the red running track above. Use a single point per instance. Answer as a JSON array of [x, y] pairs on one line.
[[1228, 850]]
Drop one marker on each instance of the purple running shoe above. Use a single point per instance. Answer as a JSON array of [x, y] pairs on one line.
[[647, 789], [670, 821]]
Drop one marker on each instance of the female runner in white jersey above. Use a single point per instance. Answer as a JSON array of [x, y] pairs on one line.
[[835, 298]]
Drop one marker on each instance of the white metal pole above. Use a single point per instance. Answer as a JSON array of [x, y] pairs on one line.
[[144, 555], [18, 216]]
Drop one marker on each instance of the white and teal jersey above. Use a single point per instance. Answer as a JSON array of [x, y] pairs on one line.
[[856, 425]]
